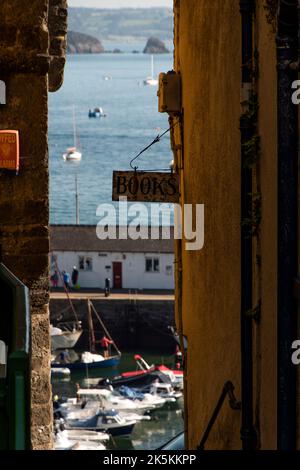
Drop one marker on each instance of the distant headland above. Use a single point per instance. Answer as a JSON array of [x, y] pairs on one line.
[[79, 43], [155, 46], [120, 30]]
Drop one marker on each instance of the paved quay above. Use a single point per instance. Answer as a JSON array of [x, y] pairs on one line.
[[84, 294]]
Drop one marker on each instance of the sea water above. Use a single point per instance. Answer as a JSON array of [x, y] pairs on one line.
[[108, 143]]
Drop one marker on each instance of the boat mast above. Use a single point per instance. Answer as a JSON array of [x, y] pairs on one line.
[[104, 327], [67, 293], [152, 67], [92, 338], [77, 201], [74, 127]]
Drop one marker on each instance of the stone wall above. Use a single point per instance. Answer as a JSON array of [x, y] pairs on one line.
[[134, 325], [58, 12], [24, 207]]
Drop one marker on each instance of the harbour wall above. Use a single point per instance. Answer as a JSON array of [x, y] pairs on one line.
[[135, 325]]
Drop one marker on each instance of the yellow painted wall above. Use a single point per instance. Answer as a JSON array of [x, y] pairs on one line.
[[266, 353], [208, 56]]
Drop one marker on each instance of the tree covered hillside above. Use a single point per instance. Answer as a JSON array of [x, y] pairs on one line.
[[140, 22]]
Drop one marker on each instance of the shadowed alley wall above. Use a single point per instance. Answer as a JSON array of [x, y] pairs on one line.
[[208, 56], [24, 207]]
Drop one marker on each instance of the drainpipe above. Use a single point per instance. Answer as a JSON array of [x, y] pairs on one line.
[[248, 434], [287, 54]]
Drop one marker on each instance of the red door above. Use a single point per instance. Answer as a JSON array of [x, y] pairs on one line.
[[117, 272]]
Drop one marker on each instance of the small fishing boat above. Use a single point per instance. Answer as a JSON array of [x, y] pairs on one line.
[[146, 375], [125, 400], [91, 401], [63, 441], [143, 365], [82, 365], [89, 361], [85, 410], [72, 154], [151, 81], [137, 379], [108, 421], [97, 113], [165, 391]]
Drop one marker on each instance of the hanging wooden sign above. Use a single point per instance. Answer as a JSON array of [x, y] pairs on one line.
[[145, 186], [9, 150]]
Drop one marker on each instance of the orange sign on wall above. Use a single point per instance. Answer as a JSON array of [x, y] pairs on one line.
[[9, 150]]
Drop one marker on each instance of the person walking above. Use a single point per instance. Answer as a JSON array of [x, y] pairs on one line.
[[54, 279], [67, 279], [75, 274], [107, 287]]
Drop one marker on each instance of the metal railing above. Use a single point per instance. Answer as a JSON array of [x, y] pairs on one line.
[[228, 390]]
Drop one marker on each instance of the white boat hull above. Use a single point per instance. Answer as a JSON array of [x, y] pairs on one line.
[[75, 156], [111, 400], [151, 82], [67, 340], [91, 436], [64, 371], [63, 441]]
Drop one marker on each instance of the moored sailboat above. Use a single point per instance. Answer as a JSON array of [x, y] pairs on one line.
[[151, 81], [65, 335], [89, 360], [73, 153]]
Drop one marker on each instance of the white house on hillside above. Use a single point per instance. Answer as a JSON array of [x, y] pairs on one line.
[[129, 264]]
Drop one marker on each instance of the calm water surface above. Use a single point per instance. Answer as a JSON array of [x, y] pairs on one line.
[[109, 143]]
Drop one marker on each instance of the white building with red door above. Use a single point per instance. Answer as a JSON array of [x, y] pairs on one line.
[[129, 264]]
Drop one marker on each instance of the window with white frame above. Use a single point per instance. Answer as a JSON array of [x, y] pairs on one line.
[[152, 265], [85, 263]]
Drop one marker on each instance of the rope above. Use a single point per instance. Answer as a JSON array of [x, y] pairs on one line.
[[60, 312], [104, 328], [66, 291]]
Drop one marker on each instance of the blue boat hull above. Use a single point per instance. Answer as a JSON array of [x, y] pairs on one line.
[[121, 431], [124, 430]]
